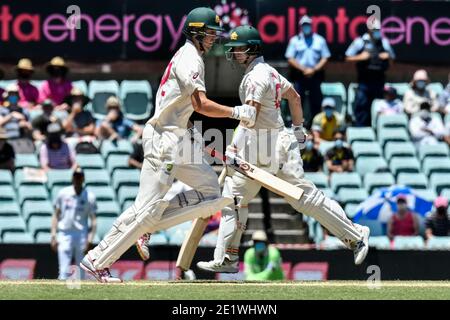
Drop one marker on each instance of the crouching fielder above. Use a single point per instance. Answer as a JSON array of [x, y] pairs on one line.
[[181, 91], [264, 88]]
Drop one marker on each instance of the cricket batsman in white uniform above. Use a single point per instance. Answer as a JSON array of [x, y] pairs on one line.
[[181, 91], [263, 87]]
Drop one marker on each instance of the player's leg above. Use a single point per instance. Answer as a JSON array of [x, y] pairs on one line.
[[64, 255], [79, 244]]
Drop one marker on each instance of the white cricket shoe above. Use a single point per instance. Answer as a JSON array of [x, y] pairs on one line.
[[226, 266], [362, 246], [142, 246], [103, 276]]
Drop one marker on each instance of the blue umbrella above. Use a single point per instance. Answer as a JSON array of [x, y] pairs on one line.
[[383, 204]]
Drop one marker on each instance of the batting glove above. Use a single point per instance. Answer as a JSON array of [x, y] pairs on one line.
[[301, 135], [246, 113]]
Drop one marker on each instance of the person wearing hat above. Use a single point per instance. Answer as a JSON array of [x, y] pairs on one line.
[[14, 118], [437, 223], [403, 222], [262, 261], [80, 121], [327, 122], [41, 122], [71, 236], [7, 154], [424, 128], [58, 87], [390, 104], [419, 93], [339, 158], [115, 125], [307, 54], [371, 53], [55, 153], [29, 94]]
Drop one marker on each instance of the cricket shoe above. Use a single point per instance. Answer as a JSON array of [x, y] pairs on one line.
[[362, 246], [142, 246], [103, 276], [226, 266]]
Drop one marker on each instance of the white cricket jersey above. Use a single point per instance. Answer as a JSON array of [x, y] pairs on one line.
[[263, 84], [75, 209], [184, 74]]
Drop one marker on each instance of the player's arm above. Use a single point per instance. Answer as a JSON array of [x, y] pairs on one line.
[[295, 105], [93, 228], [53, 229]]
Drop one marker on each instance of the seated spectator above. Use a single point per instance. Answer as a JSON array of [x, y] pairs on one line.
[[7, 155], [424, 128], [403, 222], [438, 223], [444, 99], [55, 153], [418, 93], [41, 122], [2, 90], [29, 94], [311, 156], [80, 122], [137, 156], [57, 88], [339, 158], [115, 125], [391, 104], [262, 261], [327, 122]]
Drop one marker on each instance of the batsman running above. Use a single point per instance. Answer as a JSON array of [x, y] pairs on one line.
[[181, 91], [263, 87]]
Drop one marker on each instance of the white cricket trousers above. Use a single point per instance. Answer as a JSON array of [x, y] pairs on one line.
[[71, 245]]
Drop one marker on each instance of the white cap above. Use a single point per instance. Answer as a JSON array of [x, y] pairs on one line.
[[328, 102], [373, 24], [305, 19], [259, 236]]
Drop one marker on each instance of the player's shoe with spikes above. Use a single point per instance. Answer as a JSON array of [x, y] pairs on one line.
[[142, 246], [226, 266], [362, 246], [103, 276]]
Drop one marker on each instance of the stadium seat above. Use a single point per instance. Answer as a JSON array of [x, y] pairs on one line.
[[325, 146], [366, 149], [380, 242], [439, 243], [433, 165], [129, 177], [447, 118], [96, 177], [437, 87], [401, 88], [26, 160], [6, 177], [341, 180], [99, 91], [331, 243], [127, 193], [335, 90], [104, 224], [31, 193], [444, 192], [36, 208], [182, 228], [17, 237], [137, 99], [107, 209], [43, 237], [360, 134], [433, 150], [403, 164], [127, 204], [318, 178], [20, 179], [351, 209], [9, 208], [158, 239], [120, 147], [14, 223], [413, 180], [82, 85], [408, 243], [103, 193], [439, 181], [377, 180], [55, 191], [328, 193], [7, 194], [427, 194], [37, 223], [371, 164], [355, 196], [399, 149], [392, 134], [176, 239], [392, 121], [375, 226], [117, 161], [90, 161], [59, 178]]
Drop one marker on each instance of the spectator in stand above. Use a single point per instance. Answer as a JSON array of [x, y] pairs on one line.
[[424, 128], [311, 156], [41, 122], [115, 125], [29, 94], [419, 93], [327, 122], [137, 156], [339, 158], [444, 99], [372, 54], [2, 90], [55, 153], [262, 261], [58, 87], [403, 222], [438, 223], [391, 104], [307, 55], [80, 122], [7, 155]]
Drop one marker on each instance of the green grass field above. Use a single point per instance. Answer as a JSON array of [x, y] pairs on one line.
[[213, 290]]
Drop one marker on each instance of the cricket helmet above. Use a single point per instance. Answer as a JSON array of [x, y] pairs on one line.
[[200, 19], [244, 36]]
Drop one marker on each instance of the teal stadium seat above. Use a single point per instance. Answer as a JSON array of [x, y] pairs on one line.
[[439, 243], [117, 161], [447, 118], [413, 180], [437, 87], [408, 243], [11, 223], [127, 204], [9, 208], [370, 164], [351, 195], [127, 193], [403, 164], [378, 180], [7, 194], [345, 180], [21, 180], [107, 209], [158, 239], [432, 165], [351, 209], [103, 193], [120, 147], [13, 237], [90, 161], [380, 242], [392, 134], [318, 178], [96, 177], [366, 149], [43, 237], [439, 181], [365, 134], [26, 160], [55, 191], [137, 99], [129, 177], [427, 194], [38, 223], [335, 90], [401, 88], [6, 177], [81, 84], [392, 121], [376, 227], [104, 224], [37, 208], [351, 93], [434, 151], [99, 91], [445, 193], [399, 149], [31, 193], [325, 146], [59, 178]]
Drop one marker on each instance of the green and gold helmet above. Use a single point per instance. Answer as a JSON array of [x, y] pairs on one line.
[[244, 36], [200, 19]]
